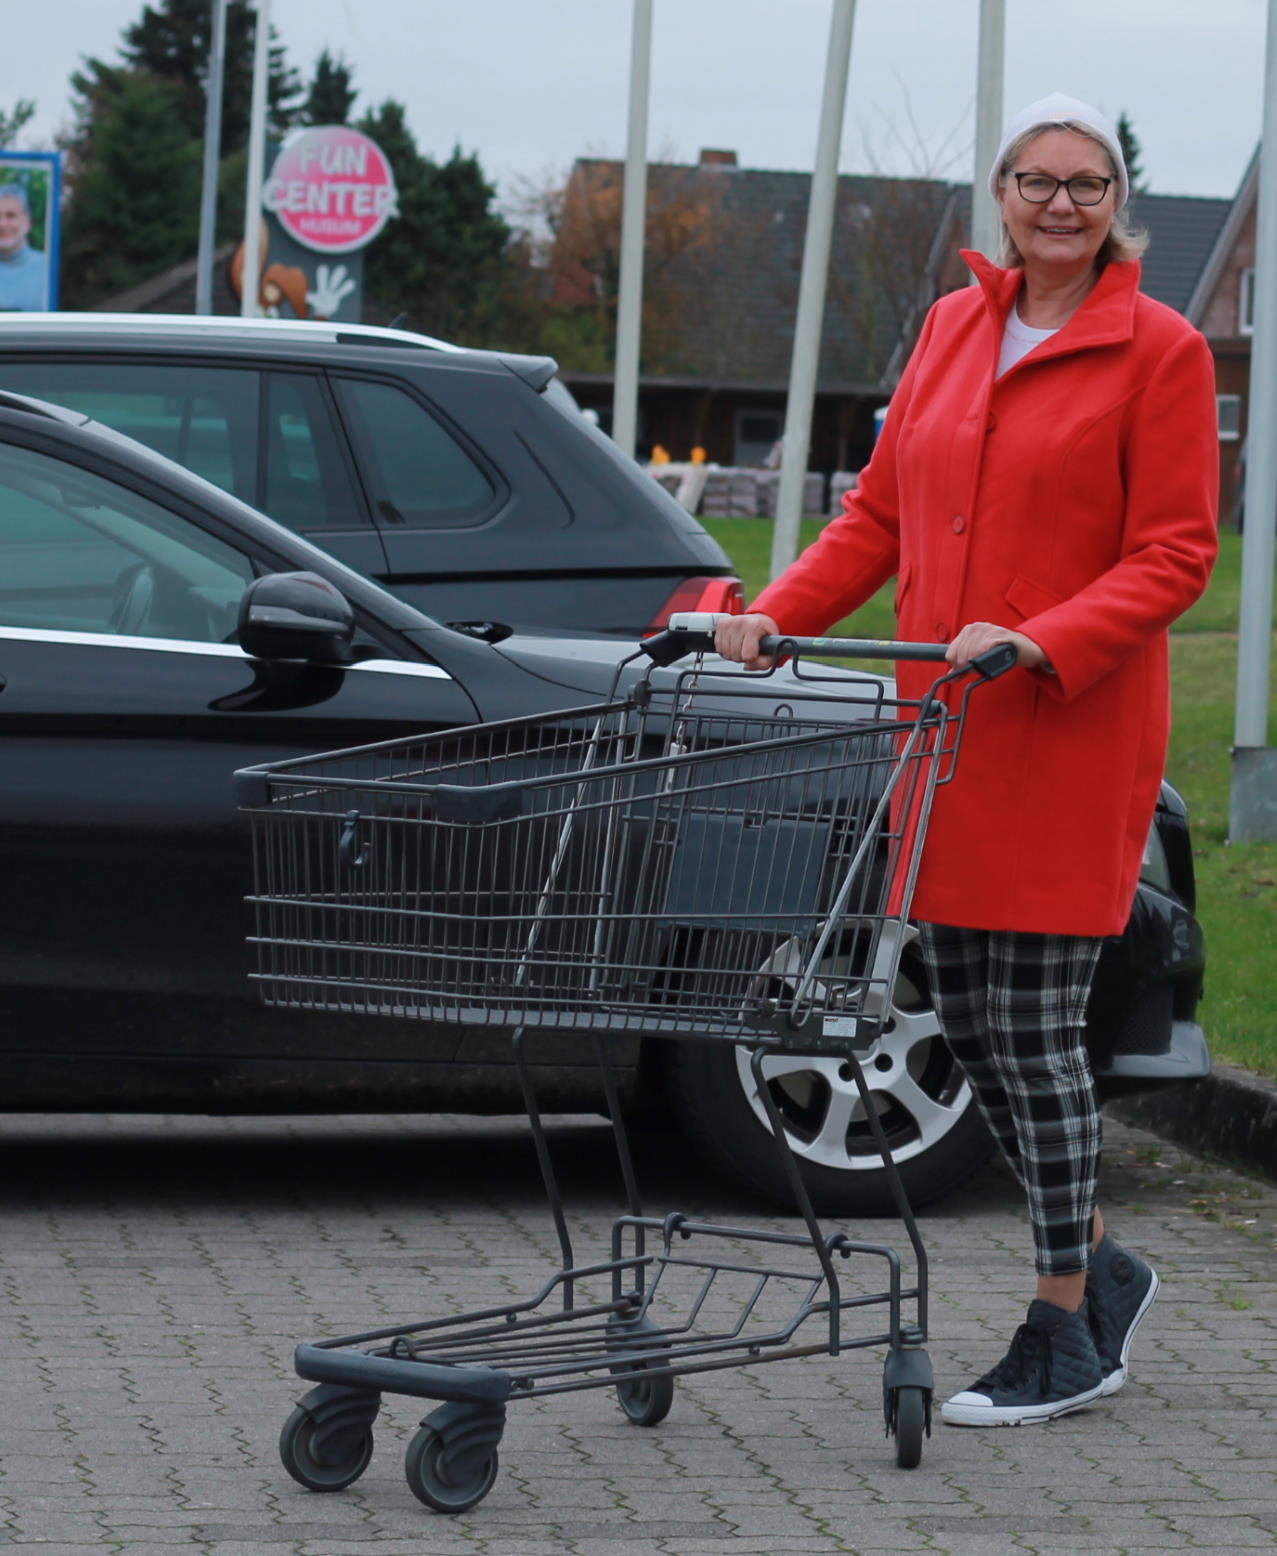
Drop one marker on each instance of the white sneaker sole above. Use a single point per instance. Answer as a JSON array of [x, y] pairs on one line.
[[1117, 1377], [971, 1412]]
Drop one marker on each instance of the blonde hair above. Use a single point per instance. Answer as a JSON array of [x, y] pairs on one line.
[[1123, 242]]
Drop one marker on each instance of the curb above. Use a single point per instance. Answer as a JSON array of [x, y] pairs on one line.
[[1231, 1114]]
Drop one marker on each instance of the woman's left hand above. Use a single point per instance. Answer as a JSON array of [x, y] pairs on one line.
[[977, 636]]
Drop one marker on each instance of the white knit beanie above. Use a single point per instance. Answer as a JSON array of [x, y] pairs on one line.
[[1059, 108]]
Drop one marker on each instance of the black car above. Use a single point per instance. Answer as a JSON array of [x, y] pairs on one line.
[[127, 704], [468, 482]]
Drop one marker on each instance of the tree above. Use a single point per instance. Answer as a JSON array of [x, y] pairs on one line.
[[137, 138], [135, 209], [171, 41], [892, 235], [12, 124], [1132, 154], [885, 276], [580, 218], [440, 260], [330, 95]]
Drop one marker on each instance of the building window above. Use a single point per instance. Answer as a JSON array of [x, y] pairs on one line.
[[1230, 417], [1246, 303]]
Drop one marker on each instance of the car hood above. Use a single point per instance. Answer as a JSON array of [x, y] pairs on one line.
[[590, 665]]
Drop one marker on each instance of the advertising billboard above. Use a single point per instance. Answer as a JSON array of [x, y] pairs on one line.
[[30, 214], [329, 192]]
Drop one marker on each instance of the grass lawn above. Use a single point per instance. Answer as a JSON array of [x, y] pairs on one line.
[[1237, 885]]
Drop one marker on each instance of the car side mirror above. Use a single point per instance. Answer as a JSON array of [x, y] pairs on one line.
[[296, 616]]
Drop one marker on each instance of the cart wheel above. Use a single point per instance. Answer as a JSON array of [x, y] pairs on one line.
[[910, 1418], [646, 1400], [446, 1481], [324, 1456]]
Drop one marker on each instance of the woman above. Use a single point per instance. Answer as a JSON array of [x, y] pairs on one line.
[[1046, 477]]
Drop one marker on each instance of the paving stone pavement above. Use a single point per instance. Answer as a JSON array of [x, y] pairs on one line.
[[157, 1272]]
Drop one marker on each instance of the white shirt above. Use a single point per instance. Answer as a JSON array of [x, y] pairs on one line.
[[1018, 339]]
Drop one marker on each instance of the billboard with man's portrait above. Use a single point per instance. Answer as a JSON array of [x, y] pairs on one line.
[[30, 209]]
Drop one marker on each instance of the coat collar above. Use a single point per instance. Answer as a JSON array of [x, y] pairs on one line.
[[1106, 318]]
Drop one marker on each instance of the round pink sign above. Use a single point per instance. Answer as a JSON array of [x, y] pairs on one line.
[[332, 188]]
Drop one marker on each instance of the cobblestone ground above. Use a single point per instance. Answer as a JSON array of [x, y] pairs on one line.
[[156, 1274]]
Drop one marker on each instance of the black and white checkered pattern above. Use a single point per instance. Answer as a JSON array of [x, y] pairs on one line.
[[1012, 1007]]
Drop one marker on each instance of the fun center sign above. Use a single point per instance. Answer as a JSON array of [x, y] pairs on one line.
[[331, 189]]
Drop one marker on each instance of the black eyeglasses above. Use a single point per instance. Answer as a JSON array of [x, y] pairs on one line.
[[1039, 188]]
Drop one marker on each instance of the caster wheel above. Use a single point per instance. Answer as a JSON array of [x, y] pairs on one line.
[[447, 1482], [322, 1457], [645, 1400], [911, 1418]]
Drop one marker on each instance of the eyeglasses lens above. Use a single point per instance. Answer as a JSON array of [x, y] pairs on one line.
[[1038, 188]]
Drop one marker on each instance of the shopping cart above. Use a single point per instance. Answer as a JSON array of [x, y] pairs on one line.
[[710, 857]]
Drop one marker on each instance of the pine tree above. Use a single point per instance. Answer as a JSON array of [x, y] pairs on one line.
[[1132, 153], [13, 123], [135, 209], [330, 96], [172, 41], [136, 144], [440, 260]]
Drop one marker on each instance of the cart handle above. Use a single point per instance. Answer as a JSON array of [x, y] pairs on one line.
[[693, 632]]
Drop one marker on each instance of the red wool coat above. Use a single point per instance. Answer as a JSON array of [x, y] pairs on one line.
[[1073, 499]]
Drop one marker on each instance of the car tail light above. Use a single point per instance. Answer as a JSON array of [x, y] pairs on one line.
[[726, 596]]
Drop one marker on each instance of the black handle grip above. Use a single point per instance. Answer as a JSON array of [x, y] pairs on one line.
[[665, 648], [995, 661]]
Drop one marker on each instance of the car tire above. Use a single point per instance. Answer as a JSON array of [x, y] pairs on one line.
[[935, 1131]]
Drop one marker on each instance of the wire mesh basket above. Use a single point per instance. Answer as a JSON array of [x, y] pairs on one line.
[[641, 865]]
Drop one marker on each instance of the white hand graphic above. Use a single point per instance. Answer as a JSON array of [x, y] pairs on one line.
[[331, 286]]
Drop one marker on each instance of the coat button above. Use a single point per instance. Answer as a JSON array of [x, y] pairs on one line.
[[942, 631], [959, 524], [991, 423]]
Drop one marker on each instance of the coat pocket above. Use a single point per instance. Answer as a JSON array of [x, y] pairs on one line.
[[904, 581], [1029, 598]]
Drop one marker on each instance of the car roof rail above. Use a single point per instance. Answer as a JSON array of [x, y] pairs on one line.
[[26, 402], [223, 326]]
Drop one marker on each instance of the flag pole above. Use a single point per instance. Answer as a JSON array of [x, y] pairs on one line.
[[811, 291], [251, 280]]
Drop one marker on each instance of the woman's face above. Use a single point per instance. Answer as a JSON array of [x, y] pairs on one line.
[[1060, 235]]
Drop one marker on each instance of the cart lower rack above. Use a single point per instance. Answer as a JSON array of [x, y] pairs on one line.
[[700, 859]]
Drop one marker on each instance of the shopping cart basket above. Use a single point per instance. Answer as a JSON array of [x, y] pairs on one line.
[[704, 858]]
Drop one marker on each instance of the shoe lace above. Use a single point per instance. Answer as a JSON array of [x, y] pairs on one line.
[[1028, 1357]]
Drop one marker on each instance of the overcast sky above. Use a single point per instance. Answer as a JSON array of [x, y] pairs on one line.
[[530, 84]]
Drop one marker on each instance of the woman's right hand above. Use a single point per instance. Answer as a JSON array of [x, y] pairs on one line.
[[738, 637]]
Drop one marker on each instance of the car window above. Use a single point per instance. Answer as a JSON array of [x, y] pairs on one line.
[[307, 484], [79, 553], [417, 472], [204, 418]]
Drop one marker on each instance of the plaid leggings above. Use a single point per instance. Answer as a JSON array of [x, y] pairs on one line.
[[1012, 1007]]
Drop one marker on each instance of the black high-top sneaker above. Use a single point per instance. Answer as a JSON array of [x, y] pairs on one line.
[[1051, 1368], [1120, 1289]]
